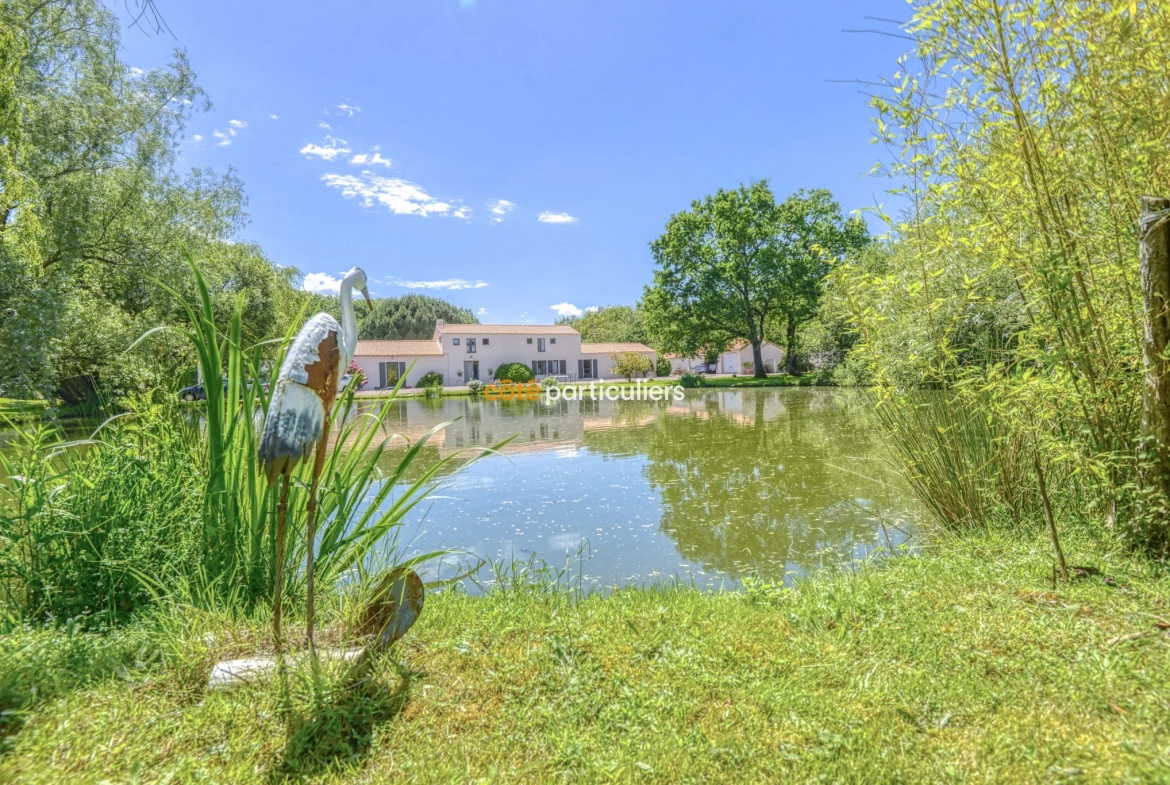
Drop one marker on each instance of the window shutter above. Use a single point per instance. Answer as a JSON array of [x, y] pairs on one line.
[[401, 370], [381, 374], [580, 369]]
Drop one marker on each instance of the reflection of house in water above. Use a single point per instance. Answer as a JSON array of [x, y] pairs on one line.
[[543, 425]]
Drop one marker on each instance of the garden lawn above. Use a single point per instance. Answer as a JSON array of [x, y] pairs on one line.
[[962, 664]]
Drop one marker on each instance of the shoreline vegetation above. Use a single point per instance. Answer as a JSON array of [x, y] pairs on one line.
[[25, 411], [1025, 637], [966, 662]]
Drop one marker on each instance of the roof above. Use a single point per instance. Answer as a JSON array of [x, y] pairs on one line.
[[506, 329], [613, 348], [398, 349], [740, 343]]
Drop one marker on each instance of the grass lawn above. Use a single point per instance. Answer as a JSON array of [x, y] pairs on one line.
[[21, 410], [18, 410], [775, 380], [965, 664]]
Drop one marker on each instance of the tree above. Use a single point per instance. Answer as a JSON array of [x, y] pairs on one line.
[[611, 324], [631, 364], [92, 212], [736, 264], [719, 274], [411, 316], [813, 234]]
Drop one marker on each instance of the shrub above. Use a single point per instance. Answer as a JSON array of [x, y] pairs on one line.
[[749, 366], [516, 372], [434, 391], [431, 379], [631, 364], [549, 381], [691, 379], [663, 368], [475, 386]]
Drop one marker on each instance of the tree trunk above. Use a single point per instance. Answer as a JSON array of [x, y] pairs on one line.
[[1155, 271], [758, 359], [790, 347]]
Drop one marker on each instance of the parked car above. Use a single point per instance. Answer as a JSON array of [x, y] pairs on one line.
[[195, 392]]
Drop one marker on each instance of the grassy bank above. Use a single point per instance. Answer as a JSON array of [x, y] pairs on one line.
[[776, 380], [21, 410], [965, 664]]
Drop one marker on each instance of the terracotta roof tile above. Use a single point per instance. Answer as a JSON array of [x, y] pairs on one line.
[[398, 349], [611, 348]]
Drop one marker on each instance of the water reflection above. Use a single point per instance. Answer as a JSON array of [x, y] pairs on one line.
[[719, 485]]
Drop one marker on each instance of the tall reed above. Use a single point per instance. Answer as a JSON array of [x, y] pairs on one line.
[[360, 509]]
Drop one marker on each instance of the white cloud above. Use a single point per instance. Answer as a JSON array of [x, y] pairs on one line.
[[136, 72], [450, 283], [273, 117], [237, 124], [330, 150], [326, 126], [349, 110], [321, 283], [462, 212], [482, 312], [566, 309], [368, 158], [224, 139], [400, 197], [197, 138], [556, 218], [500, 208], [593, 309]]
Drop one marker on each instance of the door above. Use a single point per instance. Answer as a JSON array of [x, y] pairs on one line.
[[731, 363], [470, 370], [388, 373]]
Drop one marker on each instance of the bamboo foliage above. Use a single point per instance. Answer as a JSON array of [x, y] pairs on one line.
[[1022, 134]]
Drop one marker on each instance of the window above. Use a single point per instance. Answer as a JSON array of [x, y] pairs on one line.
[[529, 340], [389, 373], [485, 341], [471, 346], [586, 369], [454, 341], [552, 340], [540, 344]]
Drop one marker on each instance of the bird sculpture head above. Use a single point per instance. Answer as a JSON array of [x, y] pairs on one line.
[[357, 279]]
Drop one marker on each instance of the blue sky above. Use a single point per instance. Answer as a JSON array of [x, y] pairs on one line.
[[517, 157]]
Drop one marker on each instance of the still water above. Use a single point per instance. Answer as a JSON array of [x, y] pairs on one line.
[[720, 485]]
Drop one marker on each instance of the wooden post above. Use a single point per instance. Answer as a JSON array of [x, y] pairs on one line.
[[1154, 235]]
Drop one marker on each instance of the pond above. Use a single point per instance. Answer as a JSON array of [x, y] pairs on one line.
[[712, 488], [720, 485]]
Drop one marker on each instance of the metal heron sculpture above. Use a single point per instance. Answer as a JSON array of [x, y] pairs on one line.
[[298, 423]]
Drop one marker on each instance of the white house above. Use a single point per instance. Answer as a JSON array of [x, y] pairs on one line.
[[734, 358], [462, 352]]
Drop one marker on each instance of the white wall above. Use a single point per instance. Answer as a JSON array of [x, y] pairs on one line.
[[768, 351], [507, 349], [369, 366]]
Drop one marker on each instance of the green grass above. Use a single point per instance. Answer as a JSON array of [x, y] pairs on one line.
[[966, 664], [775, 380], [22, 410]]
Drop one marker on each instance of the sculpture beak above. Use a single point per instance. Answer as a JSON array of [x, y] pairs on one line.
[[366, 294]]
